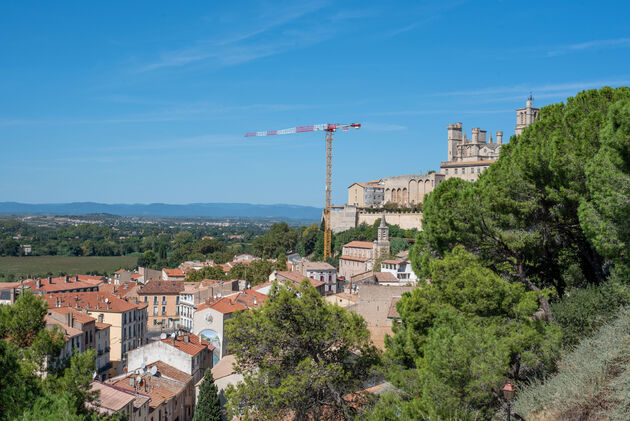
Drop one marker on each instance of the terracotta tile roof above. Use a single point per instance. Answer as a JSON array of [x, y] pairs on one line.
[[293, 275], [91, 301], [161, 287], [242, 300], [126, 289], [359, 244], [394, 261], [101, 326], [171, 372], [120, 271], [194, 345], [92, 279], [136, 276], [111, 399], [385, 277], [354, 259], [159, 389], [224, 367], [174, 272], [59, 284], [76, 314]]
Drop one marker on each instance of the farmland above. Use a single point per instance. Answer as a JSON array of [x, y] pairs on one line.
[[42, 265]]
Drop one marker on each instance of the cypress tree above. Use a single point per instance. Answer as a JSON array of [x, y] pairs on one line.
[[208, 404]]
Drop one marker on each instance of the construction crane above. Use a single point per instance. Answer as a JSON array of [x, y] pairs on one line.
[[329, 129]]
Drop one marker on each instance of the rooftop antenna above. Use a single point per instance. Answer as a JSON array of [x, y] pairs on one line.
[[153, 370], [162, 336], [144, 367]]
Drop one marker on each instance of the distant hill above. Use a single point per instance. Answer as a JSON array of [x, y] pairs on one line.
[[246, 210]]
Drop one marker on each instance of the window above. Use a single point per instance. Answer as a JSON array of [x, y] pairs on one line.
[[455, 170], [177, 300], [155, 310], [463, 170], [163, 310], [145, 299], [154, 322], [447, 171], [155, 299], [163, 299]]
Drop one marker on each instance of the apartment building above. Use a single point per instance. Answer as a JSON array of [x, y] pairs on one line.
[[127, 319], [162, 299], [195, 293]]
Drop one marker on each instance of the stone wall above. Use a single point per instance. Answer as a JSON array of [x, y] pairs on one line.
[[348, 217], [403, 220]]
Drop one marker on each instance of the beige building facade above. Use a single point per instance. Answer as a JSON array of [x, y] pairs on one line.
[[525, 116], [467, 158], [404, 190], [359, 256]]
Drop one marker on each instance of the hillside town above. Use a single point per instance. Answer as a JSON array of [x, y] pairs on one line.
[[155, 333]]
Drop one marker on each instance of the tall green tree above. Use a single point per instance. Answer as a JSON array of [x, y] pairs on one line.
[[299, 356], [208, 406], [522, 216], [606, 218], [460, 336]]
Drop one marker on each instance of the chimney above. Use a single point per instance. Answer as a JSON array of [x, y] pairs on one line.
[[66, 279], [50, 280], [132, 381], [69, 318], [186, 339], [76, 278], [499, 136], [38, 283]]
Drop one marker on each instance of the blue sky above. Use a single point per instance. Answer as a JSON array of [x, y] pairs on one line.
[[139, 102]]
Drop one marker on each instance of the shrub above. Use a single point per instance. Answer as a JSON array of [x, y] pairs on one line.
[[582, 311]]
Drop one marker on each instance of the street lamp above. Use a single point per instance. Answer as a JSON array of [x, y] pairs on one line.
[[508, 394]]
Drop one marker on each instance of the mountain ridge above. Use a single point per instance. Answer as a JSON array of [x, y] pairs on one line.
[[216, 209]]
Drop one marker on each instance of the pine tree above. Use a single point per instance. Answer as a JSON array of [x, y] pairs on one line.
[[208, 404]]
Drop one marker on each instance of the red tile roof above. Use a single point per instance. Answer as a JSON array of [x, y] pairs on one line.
[[194, 345], [174, 272], [59, 284], [236, 302], [91, 301], [80, 316], [171, 372]]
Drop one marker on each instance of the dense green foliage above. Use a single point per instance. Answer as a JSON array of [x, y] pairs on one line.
[[460, 335], [584, 310], [518, 262], [28, 349], [299, 355], [208, 407]]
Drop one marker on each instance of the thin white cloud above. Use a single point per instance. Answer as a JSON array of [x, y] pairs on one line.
[[426, 13], [590, 45], [242, 47]]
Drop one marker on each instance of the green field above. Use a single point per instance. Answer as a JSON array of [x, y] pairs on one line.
[[71, 265]]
